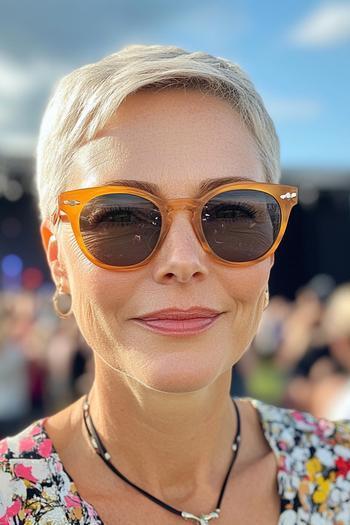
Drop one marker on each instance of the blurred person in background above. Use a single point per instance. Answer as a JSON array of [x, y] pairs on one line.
[[263, 375], [330, 382], [45, 363], [81, 373], [158, 183], [315, 359], [288, 344], [60, 354], [300, 328], [15, 393]]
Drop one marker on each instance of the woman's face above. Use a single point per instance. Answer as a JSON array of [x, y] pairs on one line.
[[174, 139]]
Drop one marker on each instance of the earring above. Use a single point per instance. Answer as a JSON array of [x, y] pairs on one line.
[[267, 298], [62, 302]]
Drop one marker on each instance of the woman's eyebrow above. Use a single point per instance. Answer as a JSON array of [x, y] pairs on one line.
[[204, 186]]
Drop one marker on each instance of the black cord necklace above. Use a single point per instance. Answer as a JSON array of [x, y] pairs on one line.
[[101, 451]]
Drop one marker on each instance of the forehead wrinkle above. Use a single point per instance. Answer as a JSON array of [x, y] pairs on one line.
[[95, 151], [93, 162], [96, 155]]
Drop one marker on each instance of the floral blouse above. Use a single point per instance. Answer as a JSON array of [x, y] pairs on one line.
[[313, 457]]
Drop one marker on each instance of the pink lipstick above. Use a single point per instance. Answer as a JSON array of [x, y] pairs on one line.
[[179, 322]]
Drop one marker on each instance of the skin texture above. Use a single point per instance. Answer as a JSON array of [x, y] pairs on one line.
[[160, 403]]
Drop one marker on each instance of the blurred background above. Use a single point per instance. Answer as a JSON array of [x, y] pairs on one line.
[[298, 56]]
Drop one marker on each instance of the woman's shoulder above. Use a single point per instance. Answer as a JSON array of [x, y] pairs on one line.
[[313, 456], [23, 471], [289, 426], [30, 443], [25, 454], [295, 435], [34, 489]]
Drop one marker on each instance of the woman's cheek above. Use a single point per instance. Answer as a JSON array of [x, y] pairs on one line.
[[246, 285], [248, 297]]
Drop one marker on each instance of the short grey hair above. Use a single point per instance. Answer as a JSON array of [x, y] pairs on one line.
[[86, 99]]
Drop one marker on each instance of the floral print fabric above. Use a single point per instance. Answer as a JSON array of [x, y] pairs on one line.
[[34, 487], [313, 457]]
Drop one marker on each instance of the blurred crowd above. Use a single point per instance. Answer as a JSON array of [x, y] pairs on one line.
[[45, 363], [300, 357]]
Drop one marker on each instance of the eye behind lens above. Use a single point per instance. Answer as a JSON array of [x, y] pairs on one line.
[[120, 229], [241, 225]]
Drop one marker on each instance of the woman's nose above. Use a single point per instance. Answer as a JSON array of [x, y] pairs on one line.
[[181, 256]]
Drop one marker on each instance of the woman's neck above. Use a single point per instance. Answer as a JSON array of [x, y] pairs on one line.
[[170, 444]]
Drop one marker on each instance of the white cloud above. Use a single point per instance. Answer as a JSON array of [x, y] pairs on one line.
[[327, 25], [19, 88], [17, 143], [6, 113], [14, 79], [293, 109], [17, 79], [211, 27]]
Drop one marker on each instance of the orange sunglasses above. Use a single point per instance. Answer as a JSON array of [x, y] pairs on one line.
[[122, 227]]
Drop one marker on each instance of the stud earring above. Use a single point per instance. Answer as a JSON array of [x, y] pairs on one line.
[[62, 302]]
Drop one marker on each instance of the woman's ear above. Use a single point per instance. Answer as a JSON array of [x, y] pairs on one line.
[[46, 233], [50, 244]]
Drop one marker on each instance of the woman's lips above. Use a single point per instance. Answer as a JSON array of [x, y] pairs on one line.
[[178, 326]]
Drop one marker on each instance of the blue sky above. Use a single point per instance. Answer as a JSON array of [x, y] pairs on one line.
[[297, 54]]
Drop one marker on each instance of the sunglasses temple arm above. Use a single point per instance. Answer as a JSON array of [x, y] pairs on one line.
[[58, 216]]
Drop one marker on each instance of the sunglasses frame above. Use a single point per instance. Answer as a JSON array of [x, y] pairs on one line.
[[72, 202]]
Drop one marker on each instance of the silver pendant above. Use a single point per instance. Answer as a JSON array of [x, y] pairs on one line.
[[203, 519]]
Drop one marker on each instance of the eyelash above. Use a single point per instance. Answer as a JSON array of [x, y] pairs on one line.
[[97, 215], [249, 210]]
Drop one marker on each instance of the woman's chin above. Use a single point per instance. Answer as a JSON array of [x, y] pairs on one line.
[[171, 386], [178, 379]]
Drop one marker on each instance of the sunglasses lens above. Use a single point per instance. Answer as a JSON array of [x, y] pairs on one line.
[[120, 229], [241, 225]]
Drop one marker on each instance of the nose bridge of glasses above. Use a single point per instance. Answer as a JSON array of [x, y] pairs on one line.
[[181, 204], [174, 205]]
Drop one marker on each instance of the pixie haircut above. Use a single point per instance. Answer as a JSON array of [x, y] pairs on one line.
[[86, 99]]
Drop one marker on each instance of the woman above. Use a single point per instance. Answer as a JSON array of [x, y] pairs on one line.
[[157, 178]]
